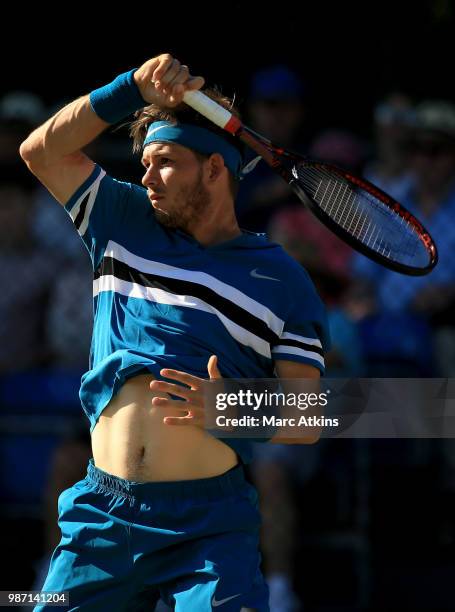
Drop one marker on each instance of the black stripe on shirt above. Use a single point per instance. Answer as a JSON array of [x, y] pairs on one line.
[[303, 345], [237, 314], [81, 213]]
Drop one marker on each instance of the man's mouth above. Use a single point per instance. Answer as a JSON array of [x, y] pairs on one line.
[[155, 196]]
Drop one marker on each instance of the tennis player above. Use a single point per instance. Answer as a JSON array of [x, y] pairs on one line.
[[181, 294]]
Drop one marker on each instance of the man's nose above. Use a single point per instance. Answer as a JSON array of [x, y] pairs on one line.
[[150, 177]]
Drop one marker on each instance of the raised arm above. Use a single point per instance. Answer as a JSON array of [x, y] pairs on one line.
[[53, 152]]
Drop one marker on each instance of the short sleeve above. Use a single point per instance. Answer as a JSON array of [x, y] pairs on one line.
[[99, 209], [305, 336]]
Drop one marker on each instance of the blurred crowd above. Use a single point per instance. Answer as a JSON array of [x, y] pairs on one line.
[[382, 324]]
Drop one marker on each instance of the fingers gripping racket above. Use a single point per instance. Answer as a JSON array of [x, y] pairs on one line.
[[355, 210]]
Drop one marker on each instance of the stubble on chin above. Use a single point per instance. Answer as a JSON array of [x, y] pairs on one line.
[[192, 201]]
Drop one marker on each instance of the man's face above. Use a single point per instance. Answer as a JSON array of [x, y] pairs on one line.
[[174, 182]]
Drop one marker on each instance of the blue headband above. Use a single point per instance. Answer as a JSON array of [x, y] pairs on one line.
[[197, 138]]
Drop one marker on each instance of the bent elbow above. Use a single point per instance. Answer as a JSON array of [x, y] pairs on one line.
[[26, 152], [31, 152]]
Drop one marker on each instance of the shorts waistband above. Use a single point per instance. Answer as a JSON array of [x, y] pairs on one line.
[[204, 489]]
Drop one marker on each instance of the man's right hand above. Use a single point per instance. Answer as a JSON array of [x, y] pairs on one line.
[[163, 81]]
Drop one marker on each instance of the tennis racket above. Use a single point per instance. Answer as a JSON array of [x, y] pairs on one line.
[[354, 209]]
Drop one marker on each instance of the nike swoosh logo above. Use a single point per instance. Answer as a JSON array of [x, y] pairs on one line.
[[220, 602], [255, 274]]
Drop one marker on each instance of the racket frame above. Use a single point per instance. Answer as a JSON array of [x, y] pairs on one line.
[[284, 161]]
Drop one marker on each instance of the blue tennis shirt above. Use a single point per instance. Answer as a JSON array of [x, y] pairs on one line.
[[163, 300]]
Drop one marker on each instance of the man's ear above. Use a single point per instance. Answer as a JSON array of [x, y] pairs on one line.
[[216, 166]]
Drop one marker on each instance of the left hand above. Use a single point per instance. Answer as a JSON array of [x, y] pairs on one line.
[[193, 394]]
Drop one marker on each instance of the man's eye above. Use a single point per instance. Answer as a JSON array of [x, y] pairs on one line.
[[163, 162]]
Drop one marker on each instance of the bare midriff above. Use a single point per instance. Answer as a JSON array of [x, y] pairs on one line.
[[131, 441]]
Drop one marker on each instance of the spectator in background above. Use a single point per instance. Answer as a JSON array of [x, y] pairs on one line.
[[431, 197], [394, 120], [327, 258], [27, 270], [278, 475], [280, 472], [26, 276], [277, 111]]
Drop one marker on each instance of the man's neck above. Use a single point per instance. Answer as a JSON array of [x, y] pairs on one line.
[[217, 224], [209, 236]]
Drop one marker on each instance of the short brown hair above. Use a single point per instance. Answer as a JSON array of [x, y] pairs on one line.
[[185, 114]]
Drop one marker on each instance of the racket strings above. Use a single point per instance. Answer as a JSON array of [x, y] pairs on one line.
[[362, 215]]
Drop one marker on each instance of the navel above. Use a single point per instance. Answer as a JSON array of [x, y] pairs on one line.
[[141, 453]]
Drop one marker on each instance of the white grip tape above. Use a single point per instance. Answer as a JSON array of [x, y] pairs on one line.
[[207, 107]]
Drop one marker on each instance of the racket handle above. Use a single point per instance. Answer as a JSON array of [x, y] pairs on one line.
[[213, 111]]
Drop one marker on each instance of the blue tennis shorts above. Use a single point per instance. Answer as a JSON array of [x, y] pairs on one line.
[[125, 544]]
